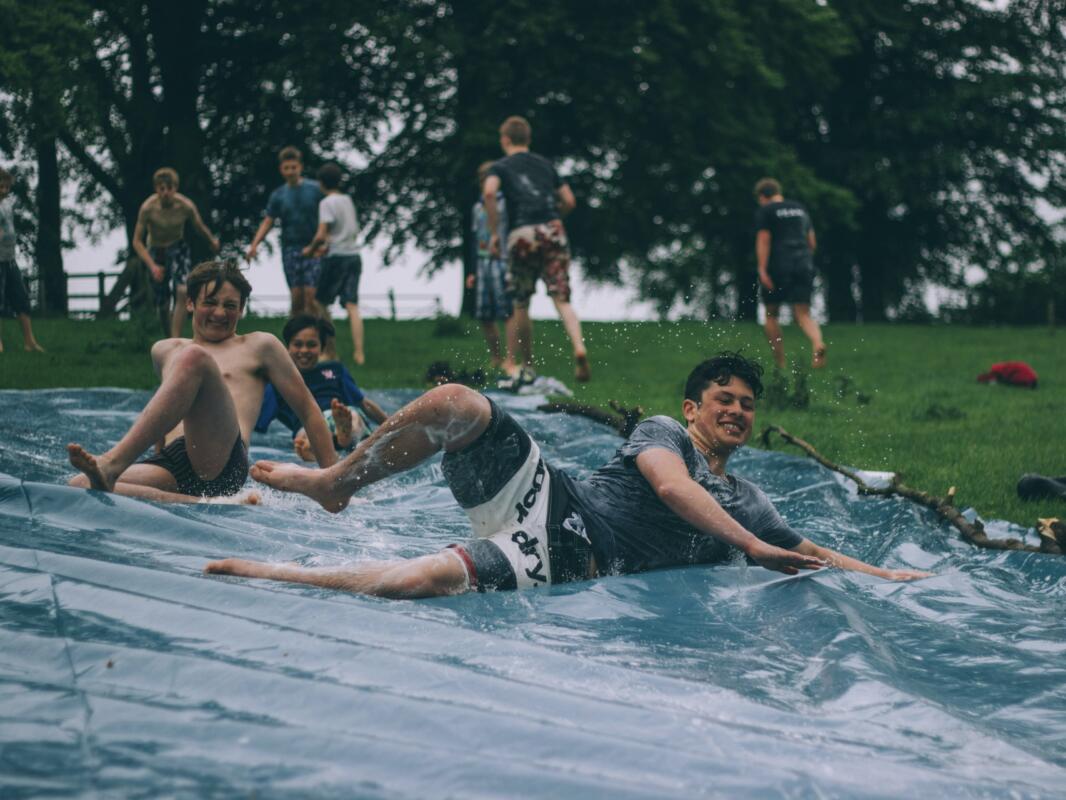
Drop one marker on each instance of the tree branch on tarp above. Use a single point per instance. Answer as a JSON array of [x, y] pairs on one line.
[[972, 532], [623, 420]]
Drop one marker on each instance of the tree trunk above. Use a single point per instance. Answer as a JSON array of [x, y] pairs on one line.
[[873, 290], [839, 302], [176, 33], [49, 246]]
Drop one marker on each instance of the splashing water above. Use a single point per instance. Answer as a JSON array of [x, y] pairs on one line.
[[125, 670]]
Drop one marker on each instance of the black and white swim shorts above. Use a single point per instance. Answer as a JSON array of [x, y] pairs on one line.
[[528, 532]]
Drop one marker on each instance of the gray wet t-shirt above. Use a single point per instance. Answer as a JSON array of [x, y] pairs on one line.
[[632, 530]]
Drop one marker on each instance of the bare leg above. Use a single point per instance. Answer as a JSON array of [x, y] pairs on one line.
[[520, 335], [177, 321], [572, 325], [296, 303], [428, 576], [355, 320], [192, 392], [29, 343], [163, 310], [492, 339], [809, 326], [329, 352], [449, 417], [773, 335], [310, 305], [508, 366]]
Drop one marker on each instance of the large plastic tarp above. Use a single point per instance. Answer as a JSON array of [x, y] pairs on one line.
[[125, 671]]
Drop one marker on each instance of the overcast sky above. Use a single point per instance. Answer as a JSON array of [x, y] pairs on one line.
[[270, 294]]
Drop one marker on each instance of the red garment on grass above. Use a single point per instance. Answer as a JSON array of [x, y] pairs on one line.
[[1015, 373]]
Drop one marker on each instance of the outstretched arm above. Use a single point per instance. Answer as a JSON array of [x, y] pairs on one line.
[[668, 477], [835, 559], [264, 229], [320, 240], [762, 257], [287, 381], [142, 251], [492, 211], [565, 200]]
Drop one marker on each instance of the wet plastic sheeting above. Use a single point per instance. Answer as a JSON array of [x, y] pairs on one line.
[[124, 671]]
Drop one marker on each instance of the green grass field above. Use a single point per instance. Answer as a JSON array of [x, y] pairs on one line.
[[927, 417]]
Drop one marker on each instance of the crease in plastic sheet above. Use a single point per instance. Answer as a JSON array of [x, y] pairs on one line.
[[125, 671]]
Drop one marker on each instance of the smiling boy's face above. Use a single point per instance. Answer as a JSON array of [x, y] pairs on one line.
[[305, 348], [724, 416]]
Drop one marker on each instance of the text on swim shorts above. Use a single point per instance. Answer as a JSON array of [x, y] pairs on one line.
[[528, 547], [531, 496]]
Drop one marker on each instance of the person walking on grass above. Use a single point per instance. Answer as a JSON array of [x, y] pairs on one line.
[[295, 205], [664, 499], [202, 414], [167, 256], [537, 200], [337, 238], [492, 304], [14, 299], [784, 250]]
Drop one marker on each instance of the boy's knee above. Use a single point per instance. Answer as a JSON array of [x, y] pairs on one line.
[[455, 396], [194, 357]]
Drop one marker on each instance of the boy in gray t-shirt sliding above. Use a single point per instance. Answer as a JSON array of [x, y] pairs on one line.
[[664, 500]]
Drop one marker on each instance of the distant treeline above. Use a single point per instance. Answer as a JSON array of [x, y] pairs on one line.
[[922, 136]]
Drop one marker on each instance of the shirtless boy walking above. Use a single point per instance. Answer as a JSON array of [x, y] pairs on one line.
[[203, 412], [162, 217]]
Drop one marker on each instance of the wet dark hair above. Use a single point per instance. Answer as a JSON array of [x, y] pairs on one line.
[[720, 369], [324, 327], [217, 272], [329, 175]]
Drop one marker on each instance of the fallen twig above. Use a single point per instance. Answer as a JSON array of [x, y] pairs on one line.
[[972, 532], [624, 420]]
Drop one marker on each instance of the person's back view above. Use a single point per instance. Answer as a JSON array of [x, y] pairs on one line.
[[537, 199], [784, 250]]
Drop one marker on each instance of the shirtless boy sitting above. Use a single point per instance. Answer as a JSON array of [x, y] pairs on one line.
[[208, 400]]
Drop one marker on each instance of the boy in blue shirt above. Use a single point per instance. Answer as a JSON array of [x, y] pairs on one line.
[[330, 384], [295, 205]]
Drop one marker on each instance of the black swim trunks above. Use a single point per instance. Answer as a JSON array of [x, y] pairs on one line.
[[529, 532], [791, 286], [175, 460]]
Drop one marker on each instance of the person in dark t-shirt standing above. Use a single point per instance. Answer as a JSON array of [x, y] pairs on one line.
[[784, 249], [665, 499], [537, 200]]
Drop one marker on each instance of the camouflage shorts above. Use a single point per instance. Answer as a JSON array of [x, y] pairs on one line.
[[538, 251]]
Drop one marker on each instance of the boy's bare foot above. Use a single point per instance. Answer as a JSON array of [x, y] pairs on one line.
[[302, 445], [33, 347], [318, 484], [240, 567], [97, 473], [582, 370], [342, 419], [818, 359], [359, 359]]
